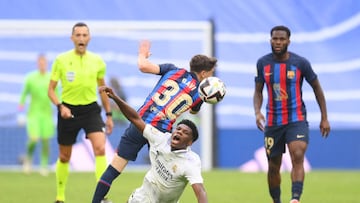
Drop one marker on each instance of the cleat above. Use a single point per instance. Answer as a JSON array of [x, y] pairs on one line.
[[26, 165], [44, 172], [59, 201], [294, 201]]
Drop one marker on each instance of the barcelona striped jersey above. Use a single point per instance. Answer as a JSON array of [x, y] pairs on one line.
[[283, 81], [175, 92]]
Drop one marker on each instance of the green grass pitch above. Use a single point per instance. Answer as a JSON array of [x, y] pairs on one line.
[[222, 186]]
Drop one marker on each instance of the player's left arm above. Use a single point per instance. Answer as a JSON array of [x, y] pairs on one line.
[[106, 104], [320, 98], [200, 192]]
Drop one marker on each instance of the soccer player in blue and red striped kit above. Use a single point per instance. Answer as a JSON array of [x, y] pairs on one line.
[[283, 72], [175, 93]]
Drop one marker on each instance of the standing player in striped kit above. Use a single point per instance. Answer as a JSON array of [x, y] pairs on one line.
[[283, 72], [175, 93]]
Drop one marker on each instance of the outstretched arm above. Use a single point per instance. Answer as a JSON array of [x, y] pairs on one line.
[[144, 64], [127, 110], [200, 193]]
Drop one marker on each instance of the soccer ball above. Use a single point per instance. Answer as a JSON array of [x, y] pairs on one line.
[[212, 90]]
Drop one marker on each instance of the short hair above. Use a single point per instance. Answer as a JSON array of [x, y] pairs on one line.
[[192, 126], [282, 28], [201, 62], [79, 24]]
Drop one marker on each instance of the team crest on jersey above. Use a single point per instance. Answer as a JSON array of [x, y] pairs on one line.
[[174, 168], [290, 74]]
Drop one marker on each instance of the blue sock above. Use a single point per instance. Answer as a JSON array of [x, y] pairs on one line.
[[275, 194], [296, 189], [104, 184]]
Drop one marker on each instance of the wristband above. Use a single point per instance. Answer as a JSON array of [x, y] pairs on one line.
[[108, 113], [59, 106]]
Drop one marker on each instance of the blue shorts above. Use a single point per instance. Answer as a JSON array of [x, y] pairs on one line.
[[277, 136], [131, 143]]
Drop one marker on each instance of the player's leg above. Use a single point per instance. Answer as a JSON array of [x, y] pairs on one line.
[[33, 137], [44, 157], [130, 144], [297, 139], [48, 130], [275, 147], [94, 129], [110, 174], [98, 141], [62, 170], [67, 131], [274, 178]]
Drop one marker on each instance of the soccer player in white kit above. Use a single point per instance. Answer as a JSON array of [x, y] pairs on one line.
[[173, 164]]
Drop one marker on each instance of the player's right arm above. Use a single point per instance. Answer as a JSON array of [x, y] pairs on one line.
[[144, 64], [52, 93], [257, 102]]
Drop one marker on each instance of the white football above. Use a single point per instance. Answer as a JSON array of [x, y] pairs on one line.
[[212, 90]]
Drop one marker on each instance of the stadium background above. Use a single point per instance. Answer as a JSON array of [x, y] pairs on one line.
[[326, 32]]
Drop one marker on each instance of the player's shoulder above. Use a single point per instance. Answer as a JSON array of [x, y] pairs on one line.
[[170, 68], [265, 57], [298, 58], [65, 55], [93, 54], [31, 74], [193, 157]]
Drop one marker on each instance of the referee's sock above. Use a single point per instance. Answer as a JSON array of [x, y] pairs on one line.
[[104, 184]]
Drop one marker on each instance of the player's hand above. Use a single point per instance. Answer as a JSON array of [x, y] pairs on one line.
[[144, 48], [65, 112], [107, 90], [324, 128], [260, 121], [109, 125]]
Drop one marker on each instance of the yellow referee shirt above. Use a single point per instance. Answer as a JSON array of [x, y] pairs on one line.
[[78, 76]]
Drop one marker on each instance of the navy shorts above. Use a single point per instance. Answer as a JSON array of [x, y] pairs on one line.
[[277, 136], [86, 117], [131, 143]]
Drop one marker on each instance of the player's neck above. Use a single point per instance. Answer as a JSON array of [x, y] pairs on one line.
[[282, 57]]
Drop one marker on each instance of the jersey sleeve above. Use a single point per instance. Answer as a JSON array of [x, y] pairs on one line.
[[308, 71], [102, 68], [193, 171], [25, 90], [196, 108], [55, 70], [153, 135], [166, 67], [259, 73]]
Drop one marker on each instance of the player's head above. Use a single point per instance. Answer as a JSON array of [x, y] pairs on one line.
[[280, 39], [203, 66], [192, 126], [184, 134], [42, 63], [80, 37]]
